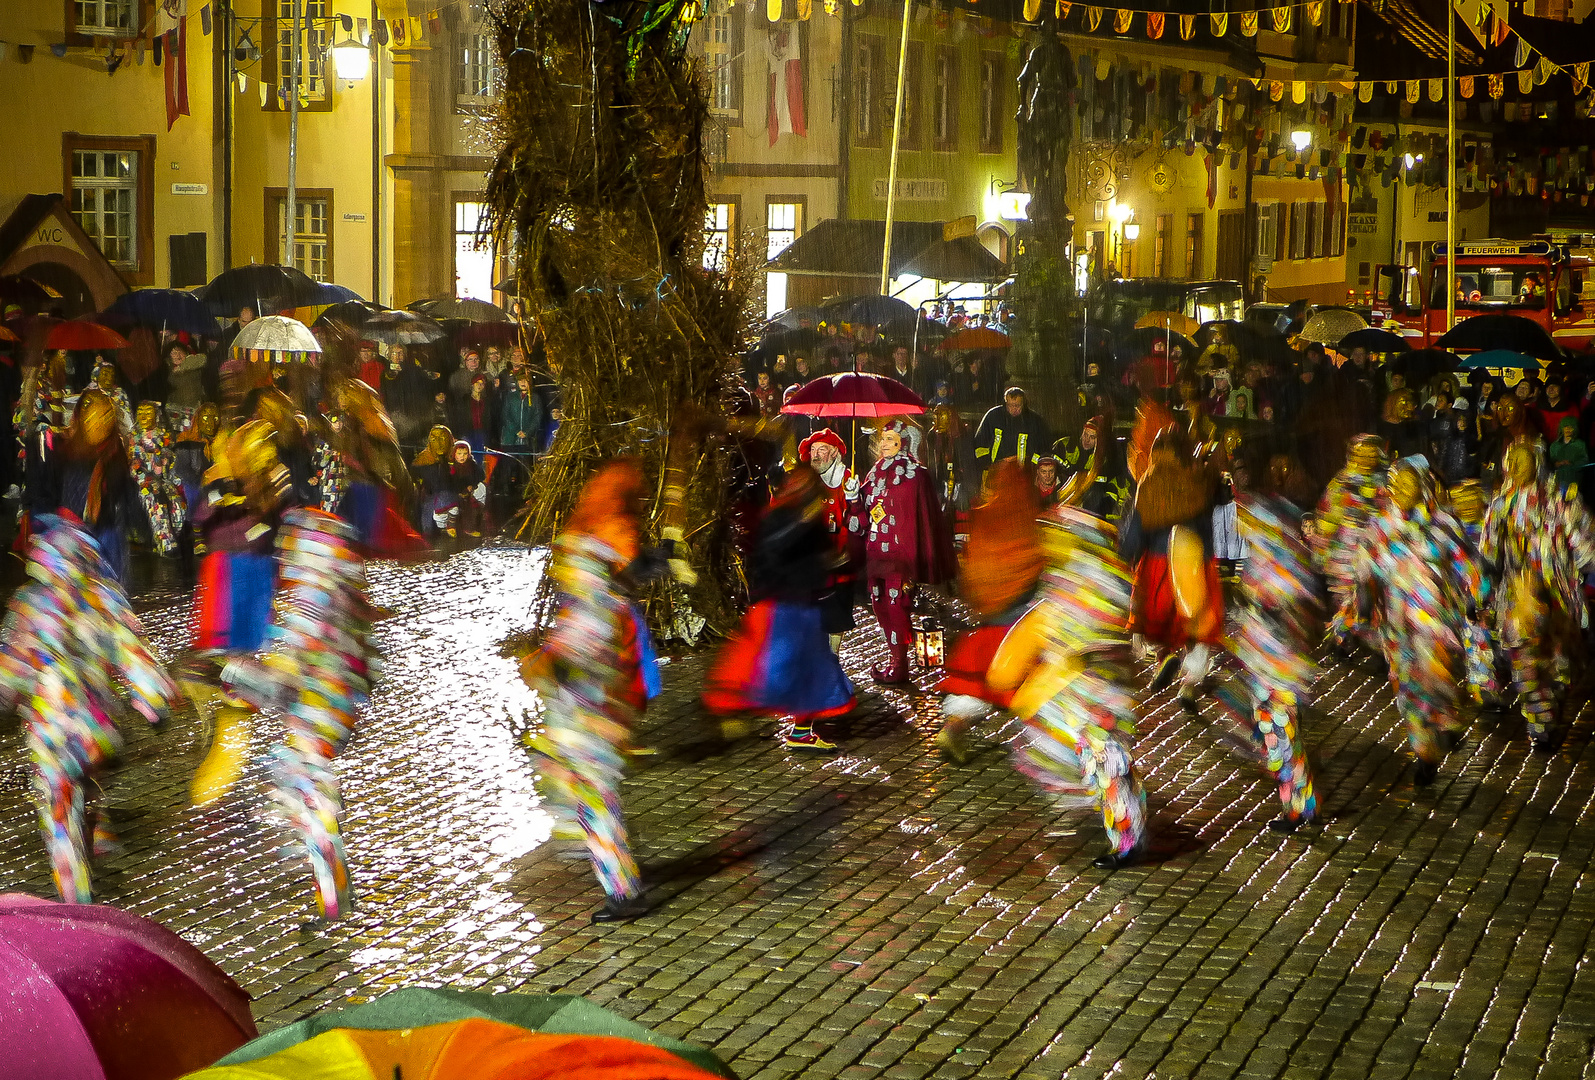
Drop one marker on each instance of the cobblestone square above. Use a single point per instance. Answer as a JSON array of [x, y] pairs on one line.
[[882, 913]]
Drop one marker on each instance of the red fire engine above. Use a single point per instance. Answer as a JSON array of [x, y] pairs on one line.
[[1537, 279]]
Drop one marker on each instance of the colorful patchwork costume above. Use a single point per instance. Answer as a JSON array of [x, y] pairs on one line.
[[1348, 503]]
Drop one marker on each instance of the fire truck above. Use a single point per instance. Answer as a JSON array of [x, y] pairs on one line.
[[1539, 279]]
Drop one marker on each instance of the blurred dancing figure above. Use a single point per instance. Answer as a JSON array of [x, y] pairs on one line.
[[1065, 663], [160, 491], [827, 453], [1168, 537], [1537, 540], [1416, 577], [1348, 503], [779, 660], [94, 481], [319, 670], [595, 673], [905, 543], [1468, 502], [1281, 615], [68, 638], [999, 581]]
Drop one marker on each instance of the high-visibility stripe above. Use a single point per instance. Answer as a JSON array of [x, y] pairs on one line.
[[1024, 444]]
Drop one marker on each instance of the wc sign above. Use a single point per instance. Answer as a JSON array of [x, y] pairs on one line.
[[49, 234]]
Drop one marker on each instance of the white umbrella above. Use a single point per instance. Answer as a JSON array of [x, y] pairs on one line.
[[1331, 324], [276, 338]]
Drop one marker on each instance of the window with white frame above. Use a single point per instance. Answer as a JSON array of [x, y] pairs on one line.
[[1267, 230], [783, 221], [105, 201], [1300, 234], [992, 106], [115, 18], [944, 119], [313, 44], [721, 58], [312, 244], [478, 70], [473, 254], [720, 223]]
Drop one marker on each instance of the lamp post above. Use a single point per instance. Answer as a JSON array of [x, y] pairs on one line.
[[891, 169]]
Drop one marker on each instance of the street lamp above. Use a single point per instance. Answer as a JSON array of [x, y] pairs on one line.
[[351, 59], [1132, 230], [1301, 139]]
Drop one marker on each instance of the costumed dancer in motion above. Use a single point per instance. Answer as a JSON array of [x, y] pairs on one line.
[[1417, 577], [69, 636], [160, 491], [378, 483], [999, 580], [827, 453], [594, 673], [1468, 502], [1066, 664], [1536, 540], [318, 672], [1281, 615], [95, 486], [779, 661], [1177, 603], [905, 544], [1348, 503]]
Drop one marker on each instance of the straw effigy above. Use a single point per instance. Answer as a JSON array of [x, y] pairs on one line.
[[599, 188]]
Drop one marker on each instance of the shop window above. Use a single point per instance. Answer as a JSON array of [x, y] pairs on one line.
[[474, 265]]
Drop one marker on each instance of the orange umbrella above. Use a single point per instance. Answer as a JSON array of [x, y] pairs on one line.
[[6, 335], [81, 335], [1169, 320], [976, 337]]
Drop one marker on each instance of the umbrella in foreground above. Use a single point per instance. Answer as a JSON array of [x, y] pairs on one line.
[[419, 1032], [260, 287], [1374, 340], [276, 337], [94, 993], [1510, 332], [453, 307], [1500, 358], [855, 394], [176, 310], [79, 334], [402, 328], [976, 337], [1332, 324]]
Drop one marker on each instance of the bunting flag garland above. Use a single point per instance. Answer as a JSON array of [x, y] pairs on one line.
[[1365, 92], [1521, 56], [1249, 23], [1315, 12], [1497, 86], [1218, 21], [1281, 17], [1298, 92], [1525, 81], [1580, 77], [1154, 25], [1121, 20], [1436, 89], [1093, 19], [1465, 86], [1413, 90], [1187, 27], [1062, 9], [1276, 91]]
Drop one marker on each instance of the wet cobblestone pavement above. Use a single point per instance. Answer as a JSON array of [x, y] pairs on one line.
[[881, 913]]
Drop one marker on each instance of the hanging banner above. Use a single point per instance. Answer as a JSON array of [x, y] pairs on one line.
[[1187, 27], [1315, 12], [1413, 90], [1154, 25], [1580, 77], [1249, 23], [1218, 22], [1062, 9], [1281, 19], [1465, 86], [1497, 86], [1276, 90], [1093, 19], [1436, 89], [1520, 57], [1365, 92], [1298, 92], [1525, 82], [1032, 10], [1121, 20]]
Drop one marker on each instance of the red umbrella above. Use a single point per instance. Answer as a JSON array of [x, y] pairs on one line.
[[976, 337], [81, 335], [93, 993], [855, 393]]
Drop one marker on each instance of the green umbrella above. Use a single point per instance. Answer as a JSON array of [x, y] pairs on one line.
[[414, 1006]]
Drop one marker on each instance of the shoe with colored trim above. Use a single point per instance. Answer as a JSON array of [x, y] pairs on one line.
[[811, 741]]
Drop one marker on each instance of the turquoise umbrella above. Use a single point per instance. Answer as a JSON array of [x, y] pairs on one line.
[[1500, 358]]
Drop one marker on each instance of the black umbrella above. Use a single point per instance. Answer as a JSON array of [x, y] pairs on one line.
[[1513, 333], [163, 309], [1133, 345], [793, 318], [802, 340], [1421, 365], [351, 314], [1374, 340], [265, 288], [402, 328], [877, 311], [455, 307]]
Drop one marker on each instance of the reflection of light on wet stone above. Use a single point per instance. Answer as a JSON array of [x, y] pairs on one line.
[[368, 957]]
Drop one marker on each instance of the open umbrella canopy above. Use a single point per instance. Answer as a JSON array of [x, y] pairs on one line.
[[1500, 358], [453, 307], [1374, 340], [436, 1019], [855, 393], [329, 293], [1421, 365], [976, 337], [1511, 332], [794, 317], [276, 337], [25, 293], [261, 287], [1168, 320], [7, 335], [351, 314], [1133, 345], [1329, 325], [94, 993], [403, 328], [174, 310], [82, 335], [481, 335], [877, 311]]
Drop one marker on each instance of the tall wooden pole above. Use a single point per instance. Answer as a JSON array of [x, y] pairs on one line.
[[891, 171]]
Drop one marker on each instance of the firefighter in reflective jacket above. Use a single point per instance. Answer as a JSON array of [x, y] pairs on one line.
[[1011, 430]]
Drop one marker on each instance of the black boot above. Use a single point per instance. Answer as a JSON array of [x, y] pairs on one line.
[[1117, 860], [1425, 773], [617, 910], [1286, 826]]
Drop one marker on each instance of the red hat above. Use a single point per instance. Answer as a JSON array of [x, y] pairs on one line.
[[824, 435]]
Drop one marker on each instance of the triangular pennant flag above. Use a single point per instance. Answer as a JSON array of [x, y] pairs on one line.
[[1249, 23], [1121, 20], [1061, 9], [1281, 19], [1218, 22], [1187, 27], [1580, 77], [1520, 57], [1436, 89], [1499, 29], [1465, 86], [1093, 19], [1154, 25], [1543, 71], [243, 81]]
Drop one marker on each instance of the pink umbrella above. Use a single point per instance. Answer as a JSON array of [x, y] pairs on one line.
[[88, 992], [855, 393]]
